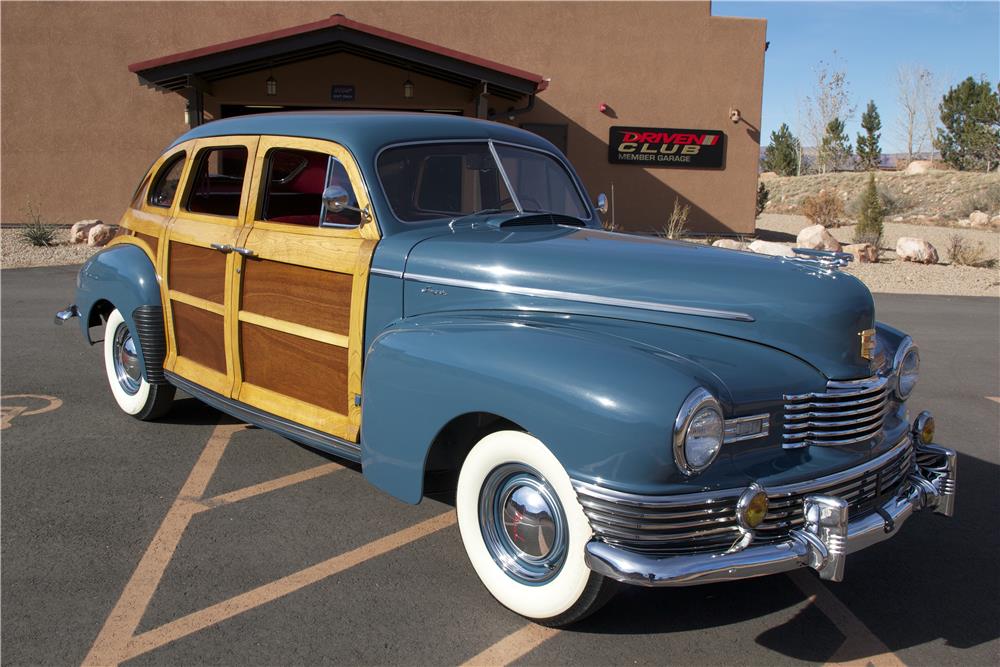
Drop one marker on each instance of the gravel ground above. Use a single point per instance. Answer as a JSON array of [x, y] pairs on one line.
[[895, 276], [17, 253]]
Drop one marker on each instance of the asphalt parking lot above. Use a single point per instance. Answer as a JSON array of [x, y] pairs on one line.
[[197, 540]]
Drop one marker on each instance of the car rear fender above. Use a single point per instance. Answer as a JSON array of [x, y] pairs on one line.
[[124, 277]]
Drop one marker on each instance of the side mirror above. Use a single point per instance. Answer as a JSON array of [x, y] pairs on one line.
[[602, 203], [336, 199]]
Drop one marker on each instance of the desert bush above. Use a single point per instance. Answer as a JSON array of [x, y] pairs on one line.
[[763, 194], [36, 231], [824, 208], [39, 234], [891, 203], [676, 223], [987, 200], [965, 253]]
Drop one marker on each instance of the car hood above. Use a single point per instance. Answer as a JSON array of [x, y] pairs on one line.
[[800, 308]]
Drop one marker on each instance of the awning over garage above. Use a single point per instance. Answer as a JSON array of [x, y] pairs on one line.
[[199, 68]]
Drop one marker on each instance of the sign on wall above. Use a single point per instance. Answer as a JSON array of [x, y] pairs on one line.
[[667, 147], [341, 93]]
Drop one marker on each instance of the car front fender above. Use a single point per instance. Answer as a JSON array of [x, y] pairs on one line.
[[605, 406]]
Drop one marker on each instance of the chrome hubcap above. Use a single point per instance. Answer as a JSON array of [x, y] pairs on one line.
[[523, 523], [126, 360]]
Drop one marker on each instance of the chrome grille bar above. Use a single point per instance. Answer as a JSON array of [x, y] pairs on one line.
[[848, 412]]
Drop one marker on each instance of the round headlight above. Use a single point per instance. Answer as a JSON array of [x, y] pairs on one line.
[[698, 432], [906, 367]]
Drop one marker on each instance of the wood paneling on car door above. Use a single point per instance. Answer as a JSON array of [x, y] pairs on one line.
[[294, 366], [198, 271], [310, 297], [200, 336]]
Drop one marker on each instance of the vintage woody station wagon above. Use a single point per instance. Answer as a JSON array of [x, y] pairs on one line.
[[434, 297]]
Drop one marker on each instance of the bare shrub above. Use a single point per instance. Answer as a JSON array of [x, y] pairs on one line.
[[987, 200], [825, 208], [676, 224], [965, 253]]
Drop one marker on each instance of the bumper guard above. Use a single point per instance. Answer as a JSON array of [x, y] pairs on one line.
[[823, 542]]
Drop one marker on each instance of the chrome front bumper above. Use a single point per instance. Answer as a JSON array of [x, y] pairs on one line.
[[822, 543]]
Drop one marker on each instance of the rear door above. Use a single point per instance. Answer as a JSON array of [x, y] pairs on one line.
[[301, 295], [199, 263]]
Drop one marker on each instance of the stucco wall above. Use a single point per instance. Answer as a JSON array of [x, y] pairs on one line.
[[78, 130]]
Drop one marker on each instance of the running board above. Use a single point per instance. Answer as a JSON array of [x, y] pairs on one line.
[[309, 437]]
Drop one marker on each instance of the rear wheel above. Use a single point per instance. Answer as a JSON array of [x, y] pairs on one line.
[[525, 532], [134, 395]]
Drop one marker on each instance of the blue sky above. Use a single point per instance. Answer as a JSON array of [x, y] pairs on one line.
[[871, 39]]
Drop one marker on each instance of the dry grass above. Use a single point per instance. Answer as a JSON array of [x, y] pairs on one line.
[[937, 197], [677, 222], [824, 208]]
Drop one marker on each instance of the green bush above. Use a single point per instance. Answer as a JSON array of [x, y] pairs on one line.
[[763, 194], [869, 227]]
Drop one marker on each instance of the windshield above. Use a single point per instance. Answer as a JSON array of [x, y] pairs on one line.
[[446, 180]]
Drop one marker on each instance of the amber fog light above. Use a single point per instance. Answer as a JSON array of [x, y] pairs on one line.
[[923, 428], [752, 506]]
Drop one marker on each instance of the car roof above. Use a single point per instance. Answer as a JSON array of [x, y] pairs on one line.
[[364, 133]]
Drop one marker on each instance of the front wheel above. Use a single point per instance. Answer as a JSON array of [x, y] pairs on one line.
[[134, 395], [525, 532]]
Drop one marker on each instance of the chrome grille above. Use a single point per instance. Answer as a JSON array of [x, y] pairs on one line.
[[657, 525], [846, 413], [862, 490]]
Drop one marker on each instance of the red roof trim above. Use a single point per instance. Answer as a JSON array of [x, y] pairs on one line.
[[332, 22]]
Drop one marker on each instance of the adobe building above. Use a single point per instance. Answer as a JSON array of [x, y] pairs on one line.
[[650, 101]]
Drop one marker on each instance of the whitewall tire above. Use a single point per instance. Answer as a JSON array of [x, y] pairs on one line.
[[525, 532], [134, 395]]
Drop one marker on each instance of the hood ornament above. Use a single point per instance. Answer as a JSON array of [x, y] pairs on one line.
[[824, 259]]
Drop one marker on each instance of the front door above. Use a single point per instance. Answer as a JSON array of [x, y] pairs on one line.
[[301, 295], [199, 262]]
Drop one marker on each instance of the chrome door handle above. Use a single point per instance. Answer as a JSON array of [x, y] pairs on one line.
[[246, 252], [224, 248]]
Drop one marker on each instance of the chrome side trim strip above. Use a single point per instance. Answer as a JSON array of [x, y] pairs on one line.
[[582, 298], [302, 434], [386, 272]]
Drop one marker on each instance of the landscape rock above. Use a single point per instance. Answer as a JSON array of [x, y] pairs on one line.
[[79, 231], [771, 248], [918, 167], [815, 237], [979, 219], [863, 253], [995, 221], [767, 175], [100, 234], [912, 249], [964, 222], [729, 244]]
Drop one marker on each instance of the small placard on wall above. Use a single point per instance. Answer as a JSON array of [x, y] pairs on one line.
[[341, 93], [667, 147]]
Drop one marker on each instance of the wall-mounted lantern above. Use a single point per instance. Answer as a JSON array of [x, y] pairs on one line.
[[271, 84], [408, 89]]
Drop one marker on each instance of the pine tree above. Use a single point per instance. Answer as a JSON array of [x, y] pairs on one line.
[[869, 227], [836, 147], [782, 155], [970, 113], [869, 151]]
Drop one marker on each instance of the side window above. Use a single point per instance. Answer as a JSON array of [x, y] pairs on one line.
[[139, 192], [165, 186], [218, 181], [295, 182]]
